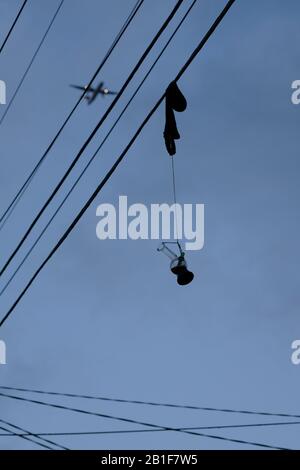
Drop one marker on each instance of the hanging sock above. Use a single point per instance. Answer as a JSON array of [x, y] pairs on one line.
[[175, 101]]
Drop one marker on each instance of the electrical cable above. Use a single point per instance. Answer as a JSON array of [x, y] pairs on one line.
[[12, 26], [142, 423], [150, 403], [30, 64], [129, 431], [47, 441]]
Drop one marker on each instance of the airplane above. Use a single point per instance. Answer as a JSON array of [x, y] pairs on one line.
[[92, 93]]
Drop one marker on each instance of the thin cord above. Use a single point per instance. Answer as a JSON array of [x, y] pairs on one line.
[[175, 198], [7, 213], [92, 135], [12, 26], [96, 152], [30, 63], [142, 423], [117, 162], [33, 435]]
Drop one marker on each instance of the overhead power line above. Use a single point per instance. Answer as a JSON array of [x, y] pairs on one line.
[[30, 64], [12, 26], [26, 435], [141, 423], [117, 98], [150, 403], [12, 434], [119, 160], [16, 199], [137, 431], [97, 151]]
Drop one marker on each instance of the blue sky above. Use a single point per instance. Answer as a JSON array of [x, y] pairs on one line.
[[107, 317]]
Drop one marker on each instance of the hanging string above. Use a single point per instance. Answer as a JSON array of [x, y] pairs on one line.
[[175, 201]]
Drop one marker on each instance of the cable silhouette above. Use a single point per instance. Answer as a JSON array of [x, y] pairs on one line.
[[12, 26], [129, 431], [12, 434], [27, 433], [97, 151], [150, 403], [119, 160], [30, 64], [16, 199], [141, 423], [87, 142]]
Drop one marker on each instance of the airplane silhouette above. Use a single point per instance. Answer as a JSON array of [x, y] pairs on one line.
[[92, 93]]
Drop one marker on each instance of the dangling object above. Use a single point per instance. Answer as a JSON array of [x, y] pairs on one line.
[[175, 101], [179, 268], [178, 264]]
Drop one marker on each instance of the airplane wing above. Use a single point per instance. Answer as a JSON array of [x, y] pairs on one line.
[[83, 88], [99, 87], [112, 92]]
